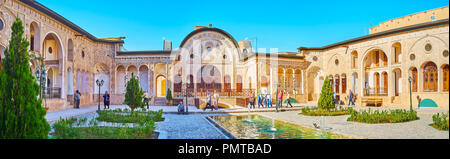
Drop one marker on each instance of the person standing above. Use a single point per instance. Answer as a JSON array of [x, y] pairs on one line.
[[208, 102], [77, 98], [280, 99], [251, 100], [146, 100], [350, 100], [260, 100], [216, 100], [367, 88], [289, 100], [334, 98], [269, 100], [106, 100]]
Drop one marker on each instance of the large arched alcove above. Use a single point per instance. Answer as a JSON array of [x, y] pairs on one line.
[[209, 77], [52, 50], [314, 83], [120, 79], [375, 62], [143, 78], [101, 73], [161, 86]]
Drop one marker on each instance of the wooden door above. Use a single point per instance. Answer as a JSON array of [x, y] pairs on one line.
[[414, 80], [377, 84], [430, 77], [385, 81]]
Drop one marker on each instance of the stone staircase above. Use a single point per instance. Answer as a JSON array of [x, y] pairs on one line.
[[160, 101]]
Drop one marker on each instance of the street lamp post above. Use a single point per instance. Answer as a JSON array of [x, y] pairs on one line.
[[99, 84], [410, 93]]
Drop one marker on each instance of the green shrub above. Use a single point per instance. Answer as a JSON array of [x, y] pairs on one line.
[[385, 116], [119, 116], [75, 129], [324, 112], [134, 95], [169, 95], [326, 100], [440, 121]]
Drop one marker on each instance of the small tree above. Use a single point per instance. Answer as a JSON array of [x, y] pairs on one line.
[[169, 95], [21, 111], [326, 96], [134, 94]]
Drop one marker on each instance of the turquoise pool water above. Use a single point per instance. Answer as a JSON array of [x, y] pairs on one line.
[[260, 127]]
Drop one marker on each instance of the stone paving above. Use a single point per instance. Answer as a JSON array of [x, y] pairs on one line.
[[195, 126], [418, 129]]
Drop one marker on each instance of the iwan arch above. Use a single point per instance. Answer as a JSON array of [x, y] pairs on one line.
[[210, 59]]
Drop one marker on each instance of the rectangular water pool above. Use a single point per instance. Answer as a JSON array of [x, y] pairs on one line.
[[259, 127]]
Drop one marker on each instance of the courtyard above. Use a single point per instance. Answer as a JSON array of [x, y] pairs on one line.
[[194, 125]]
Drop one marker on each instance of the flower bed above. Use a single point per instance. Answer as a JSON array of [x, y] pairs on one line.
[[440, 121], [385, 116], [79, 129], [126, 116], [325, 112]]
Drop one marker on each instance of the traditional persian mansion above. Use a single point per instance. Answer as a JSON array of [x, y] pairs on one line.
[[398, 57]]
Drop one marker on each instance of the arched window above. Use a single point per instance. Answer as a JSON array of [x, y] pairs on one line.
[[239, 83], [397, 48], [445, 76], [430, 77], [337, 80], [385, 89], [377, 82]]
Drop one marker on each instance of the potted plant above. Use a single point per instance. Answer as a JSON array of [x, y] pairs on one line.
[[169, 97]]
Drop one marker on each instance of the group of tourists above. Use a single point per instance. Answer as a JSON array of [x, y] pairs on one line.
[[106, 99], [351, 98], [212, 101], [265, 100]]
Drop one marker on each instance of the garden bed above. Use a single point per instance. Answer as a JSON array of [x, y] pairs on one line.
[[385, 116], [126, 116], [440, 121], [325, 112], [82, 129]]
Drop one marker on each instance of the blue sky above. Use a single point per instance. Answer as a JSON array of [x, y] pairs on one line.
[[281, 24]]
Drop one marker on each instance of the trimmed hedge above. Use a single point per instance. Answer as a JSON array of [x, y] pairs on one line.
[[385, 116], [324, 112]]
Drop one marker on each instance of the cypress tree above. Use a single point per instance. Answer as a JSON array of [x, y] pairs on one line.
[[169, 95], [134, 94], [326, 96], [21, 113]]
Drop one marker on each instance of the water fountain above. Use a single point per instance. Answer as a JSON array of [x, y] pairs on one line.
[[273, 126], [249, 119]]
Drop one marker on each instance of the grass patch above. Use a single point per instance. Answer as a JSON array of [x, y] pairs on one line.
[[325, 112], [125, 116], [440, 121], [385, 116], [76, 129]]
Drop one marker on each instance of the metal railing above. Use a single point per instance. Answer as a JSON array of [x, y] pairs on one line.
[[222, 92]]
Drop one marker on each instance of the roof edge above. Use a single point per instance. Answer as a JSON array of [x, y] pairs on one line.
[[379, 34]]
